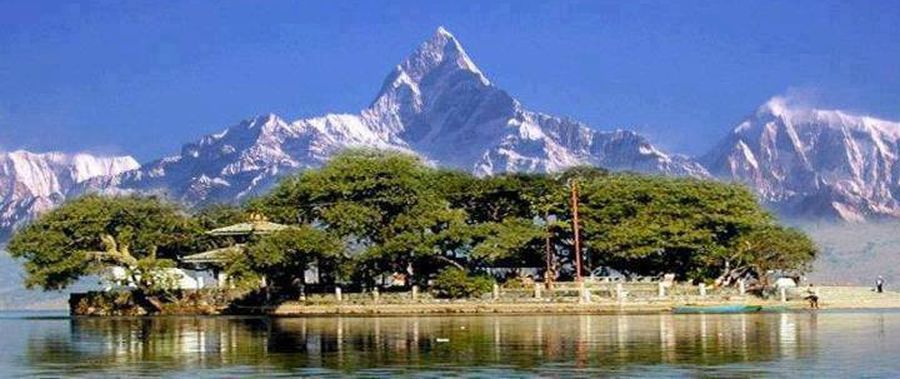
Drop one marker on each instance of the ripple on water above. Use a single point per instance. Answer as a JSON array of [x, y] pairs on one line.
[[859, 343]]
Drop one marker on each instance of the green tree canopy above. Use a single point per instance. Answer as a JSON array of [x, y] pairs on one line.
[[654, 225], [398, 213], [771, 248], [394, 213], [90, 234], [284, 256], [383, 205]]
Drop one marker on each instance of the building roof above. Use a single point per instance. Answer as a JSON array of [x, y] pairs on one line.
[[215, 256], [248, 228]]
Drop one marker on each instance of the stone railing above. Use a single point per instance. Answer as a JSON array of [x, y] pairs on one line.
[[559, 292]]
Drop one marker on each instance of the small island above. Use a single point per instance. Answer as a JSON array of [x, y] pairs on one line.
[[387, 233]]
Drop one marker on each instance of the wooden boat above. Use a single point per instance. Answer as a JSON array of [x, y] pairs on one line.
[[736, 308]]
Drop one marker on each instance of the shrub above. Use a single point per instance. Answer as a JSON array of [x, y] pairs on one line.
[[103, 303], [455, 283]]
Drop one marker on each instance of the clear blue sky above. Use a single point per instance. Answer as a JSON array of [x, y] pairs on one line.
[[145, 77]]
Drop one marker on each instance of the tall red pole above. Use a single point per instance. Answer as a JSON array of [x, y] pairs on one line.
[[575, 227], [548, 273]]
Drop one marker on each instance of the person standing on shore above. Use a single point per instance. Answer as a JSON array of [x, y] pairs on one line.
[[812, 297], [879, 284]]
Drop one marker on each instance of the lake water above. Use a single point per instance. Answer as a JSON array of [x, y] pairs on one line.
[[801, 344]]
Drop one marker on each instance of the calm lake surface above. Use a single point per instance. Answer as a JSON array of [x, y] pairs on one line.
[[802, 344]]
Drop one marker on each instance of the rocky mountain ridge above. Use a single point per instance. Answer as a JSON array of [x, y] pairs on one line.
[[814, 163], [436, 103], [32, 183]]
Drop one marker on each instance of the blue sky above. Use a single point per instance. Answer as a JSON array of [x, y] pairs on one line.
[[144, 77]]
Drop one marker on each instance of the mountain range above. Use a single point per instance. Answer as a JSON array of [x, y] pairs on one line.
[[814, 164], [803, 163], [33, 183]]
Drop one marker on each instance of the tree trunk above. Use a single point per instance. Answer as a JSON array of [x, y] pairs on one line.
[[448, 260], [731, 276], [150, 304]]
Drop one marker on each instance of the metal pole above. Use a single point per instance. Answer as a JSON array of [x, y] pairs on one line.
[[548, 274], [575, 228]]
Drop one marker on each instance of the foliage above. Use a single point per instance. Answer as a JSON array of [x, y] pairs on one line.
[[456, 283], [514, 242], [387, 207], [284, 256], [91, 234], [652, 225], [398, 215], [369, 214], [773, 248], [219, 215], [153, 276], [107, 303]]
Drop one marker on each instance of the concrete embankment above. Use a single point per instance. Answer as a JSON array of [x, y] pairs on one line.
[[297, 309], [831, 297], [513, 302]]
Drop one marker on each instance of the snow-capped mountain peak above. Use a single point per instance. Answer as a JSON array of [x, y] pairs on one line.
[[87, 166], [777, 106], [31, 183], [781, 107], [441, 52], [815, 162], [436, 103]]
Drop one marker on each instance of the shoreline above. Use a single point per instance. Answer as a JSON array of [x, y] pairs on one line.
[[831, 298], [457, 309]]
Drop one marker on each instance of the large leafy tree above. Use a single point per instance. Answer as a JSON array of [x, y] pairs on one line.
[[284, 257], [384, 206], [219, 215], [91, 234], [767, 249], [396, 214], [372, 213], [654, 225]]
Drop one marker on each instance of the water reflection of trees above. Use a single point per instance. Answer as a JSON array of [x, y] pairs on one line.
[[531, 343]]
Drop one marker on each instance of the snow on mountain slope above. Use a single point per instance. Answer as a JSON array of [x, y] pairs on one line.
[[445, 108], [32, 183], [439, 105], [436, 103], [245, 159], [813, 163]]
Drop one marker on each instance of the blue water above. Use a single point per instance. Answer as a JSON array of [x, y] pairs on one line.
[[802, 344]]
